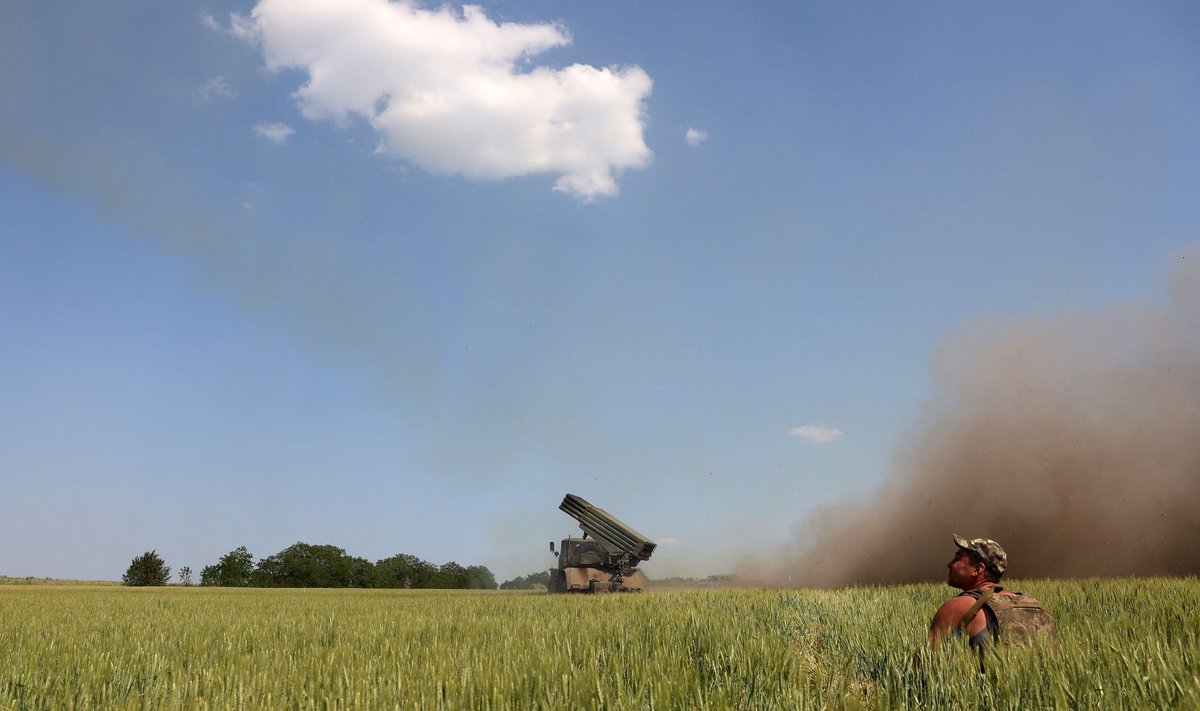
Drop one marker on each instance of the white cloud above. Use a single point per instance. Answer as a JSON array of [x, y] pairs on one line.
[[696, 136], [207, 19], [815, 433], [214, 89], [667, 541], [274, 132], [458, 93]]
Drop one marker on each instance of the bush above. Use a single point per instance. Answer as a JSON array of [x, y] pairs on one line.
[[147, 569]]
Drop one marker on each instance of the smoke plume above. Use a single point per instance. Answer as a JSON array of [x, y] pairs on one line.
[[1074, 441]]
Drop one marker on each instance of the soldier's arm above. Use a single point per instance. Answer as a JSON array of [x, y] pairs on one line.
[[950, 614]]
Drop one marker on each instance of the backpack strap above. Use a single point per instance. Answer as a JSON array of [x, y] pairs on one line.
[[985, 594]]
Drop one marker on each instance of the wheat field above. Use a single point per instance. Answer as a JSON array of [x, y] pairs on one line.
[[1130, 643]]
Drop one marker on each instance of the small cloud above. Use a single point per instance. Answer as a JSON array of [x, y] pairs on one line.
[[207, 19], [242, 28], [696, 136], [214, 89], [814, 433], [274, 132], [667, 541], [238, 26]]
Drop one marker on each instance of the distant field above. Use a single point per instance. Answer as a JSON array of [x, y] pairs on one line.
[[1124, 644], [6, 580]]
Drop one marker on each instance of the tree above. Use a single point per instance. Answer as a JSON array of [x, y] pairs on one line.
[[147, 569], [185, 575], [303, 565], [450, 576], [232, 571], [480, 578], [362, 573], [404, 571]]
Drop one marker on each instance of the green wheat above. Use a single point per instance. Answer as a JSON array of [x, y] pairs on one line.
[[1130, 643]]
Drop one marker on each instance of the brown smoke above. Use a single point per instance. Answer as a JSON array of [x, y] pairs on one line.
[[1073, 441]]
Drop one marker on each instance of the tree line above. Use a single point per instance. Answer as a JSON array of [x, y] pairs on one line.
[[303, 565]]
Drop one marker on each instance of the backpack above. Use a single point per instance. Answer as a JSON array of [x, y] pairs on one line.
[[1020, 619]]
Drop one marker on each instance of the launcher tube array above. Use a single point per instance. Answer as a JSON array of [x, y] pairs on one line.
[[606, 528]]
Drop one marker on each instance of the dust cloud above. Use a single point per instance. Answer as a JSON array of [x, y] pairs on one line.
[[1074, 441]]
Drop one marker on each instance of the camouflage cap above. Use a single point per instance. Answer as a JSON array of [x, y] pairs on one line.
[[989, 551]]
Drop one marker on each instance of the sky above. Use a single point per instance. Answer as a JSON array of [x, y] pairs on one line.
[[397, 276]]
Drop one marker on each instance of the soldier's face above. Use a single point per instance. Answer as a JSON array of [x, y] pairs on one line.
[[963, 570]]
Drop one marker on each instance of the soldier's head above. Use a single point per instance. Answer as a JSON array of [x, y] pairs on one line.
[[977, 560]]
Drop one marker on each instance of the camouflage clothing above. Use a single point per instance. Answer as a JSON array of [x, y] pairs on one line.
[[989, 551], [1015, 618]]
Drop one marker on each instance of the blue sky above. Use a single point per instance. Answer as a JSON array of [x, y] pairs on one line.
[[232, 315]]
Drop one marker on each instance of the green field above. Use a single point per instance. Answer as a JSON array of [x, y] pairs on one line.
[[1123, 644]]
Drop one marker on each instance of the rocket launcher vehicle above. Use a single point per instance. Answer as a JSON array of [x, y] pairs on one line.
[[605, 559]]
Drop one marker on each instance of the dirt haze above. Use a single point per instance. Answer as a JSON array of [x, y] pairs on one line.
[[1074, 441]]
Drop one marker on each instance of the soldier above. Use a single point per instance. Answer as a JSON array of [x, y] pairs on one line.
[[975, 569], [985, 612]]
